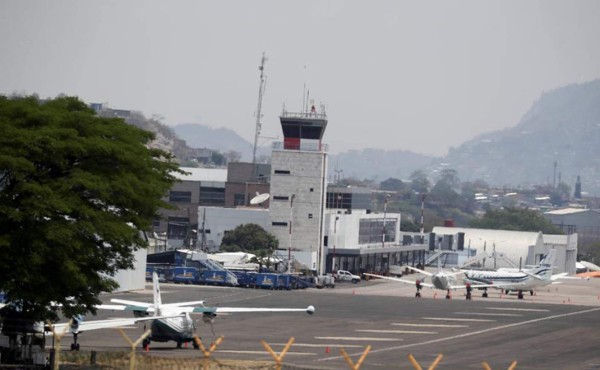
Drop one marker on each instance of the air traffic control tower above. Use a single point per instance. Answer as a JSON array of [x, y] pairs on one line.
[[298, 186]]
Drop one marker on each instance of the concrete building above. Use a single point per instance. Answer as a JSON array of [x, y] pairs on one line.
[[244, 180], [298, 186], [584, 222], [199, 187], [525, 246]]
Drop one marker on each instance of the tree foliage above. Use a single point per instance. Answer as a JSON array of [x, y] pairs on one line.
[[249, 238], [515, 219], [75, 191]]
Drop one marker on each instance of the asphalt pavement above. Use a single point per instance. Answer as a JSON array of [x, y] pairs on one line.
[[557, 328]]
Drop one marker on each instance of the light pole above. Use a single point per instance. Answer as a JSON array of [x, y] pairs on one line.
[[334, 242], [290, 233], [387, 196]]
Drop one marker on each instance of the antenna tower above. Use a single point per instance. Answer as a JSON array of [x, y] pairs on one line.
[[261, 91]]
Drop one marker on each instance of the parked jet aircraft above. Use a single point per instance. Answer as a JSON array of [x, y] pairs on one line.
[[443, 280], [172, 321], [515, 280]]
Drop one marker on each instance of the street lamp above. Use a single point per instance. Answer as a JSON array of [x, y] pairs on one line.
[[387, 196], [289, 269], [334, 242]]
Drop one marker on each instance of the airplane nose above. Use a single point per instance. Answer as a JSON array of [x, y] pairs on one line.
[[310, 310]]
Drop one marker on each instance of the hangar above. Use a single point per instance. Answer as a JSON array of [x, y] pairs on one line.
[[527, 246]]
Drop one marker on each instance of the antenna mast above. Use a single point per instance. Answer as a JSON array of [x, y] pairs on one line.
[[261, 90]]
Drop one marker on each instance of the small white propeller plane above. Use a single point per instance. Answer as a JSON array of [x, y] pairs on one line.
[[442, 280], [518, 280], [169, 322], [172, 321]]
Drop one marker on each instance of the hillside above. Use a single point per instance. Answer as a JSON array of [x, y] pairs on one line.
[[220, 139], [563, 125]]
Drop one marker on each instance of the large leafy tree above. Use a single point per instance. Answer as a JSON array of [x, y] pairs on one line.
[[249, 238], [515, 219], [75, 192]]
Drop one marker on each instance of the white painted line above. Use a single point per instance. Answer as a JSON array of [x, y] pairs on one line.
[[317, 345], [361, 338], [264, 352], [397, 331], [432, 325], [517, 309], [464, 335], [487, 314], [455, 319]]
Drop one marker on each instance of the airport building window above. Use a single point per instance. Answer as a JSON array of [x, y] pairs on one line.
[[210, 196], [180, 196], [282, 172], [279, 223], [239, 200], [281, 198], [371, 230]]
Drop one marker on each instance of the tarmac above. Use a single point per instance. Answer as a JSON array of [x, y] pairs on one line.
[[557, 328]]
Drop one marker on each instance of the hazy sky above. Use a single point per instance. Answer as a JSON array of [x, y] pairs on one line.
[[411, 75]]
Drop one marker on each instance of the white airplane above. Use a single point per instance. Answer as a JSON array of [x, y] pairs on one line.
[[443, 280], [518, 280], [172, 321]]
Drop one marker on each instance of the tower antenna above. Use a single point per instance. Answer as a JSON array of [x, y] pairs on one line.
[[261, 91]]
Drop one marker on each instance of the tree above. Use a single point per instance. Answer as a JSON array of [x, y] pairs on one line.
[[249, 238], [515, 219], [419, 182], [75, 192], [392, 184]]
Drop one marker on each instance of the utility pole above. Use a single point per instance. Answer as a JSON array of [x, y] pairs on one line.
[[290, 233], [261, 91], [387, 196]]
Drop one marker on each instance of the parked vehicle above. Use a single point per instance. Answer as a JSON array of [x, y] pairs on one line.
[[324, 281], [343, 275]]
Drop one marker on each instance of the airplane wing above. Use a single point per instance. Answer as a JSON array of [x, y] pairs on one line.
[[132, 303], [419, 270], [404, 281], [181, 304], [565, 276], [103, 324], [216, 310], [121, 307]]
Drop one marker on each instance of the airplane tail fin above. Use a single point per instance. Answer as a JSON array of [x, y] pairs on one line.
[[544, 268], [156, 294]]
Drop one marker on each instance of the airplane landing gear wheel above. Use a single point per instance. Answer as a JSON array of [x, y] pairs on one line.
[[484, 295], [74, 346], [178, 344], [531, 292], [520, 295], [146, 344], [196, 346]]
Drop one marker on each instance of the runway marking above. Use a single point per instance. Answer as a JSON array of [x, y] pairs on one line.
[[517, 309], [455, 319], [454, 337], [318, 345], [432, 325], [396, 331], [264, 353], [488, 314], [361, 338]]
